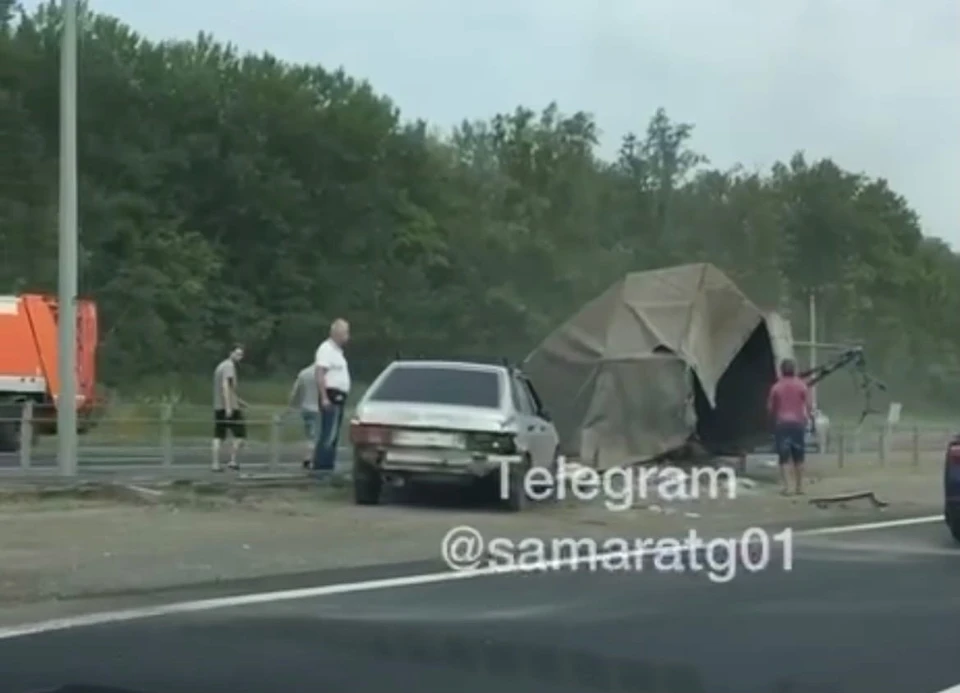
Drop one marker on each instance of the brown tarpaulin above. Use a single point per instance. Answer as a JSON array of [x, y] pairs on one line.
[[641, 367]]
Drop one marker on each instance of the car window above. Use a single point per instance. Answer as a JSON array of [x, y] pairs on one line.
[[433, 385], [521, 400]]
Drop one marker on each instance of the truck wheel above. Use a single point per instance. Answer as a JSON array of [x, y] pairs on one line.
[[9, 436], [516, 500], [11, 412], [367, 484]]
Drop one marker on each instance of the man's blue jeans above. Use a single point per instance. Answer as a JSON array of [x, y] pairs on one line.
[[328, 438]]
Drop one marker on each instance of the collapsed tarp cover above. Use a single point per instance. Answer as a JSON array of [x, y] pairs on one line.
[[617, 376]]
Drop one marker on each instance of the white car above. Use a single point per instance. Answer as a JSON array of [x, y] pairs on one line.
[[450, 422]]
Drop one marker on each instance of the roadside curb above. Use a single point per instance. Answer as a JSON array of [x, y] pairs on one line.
[[158, 491], [88, 490]]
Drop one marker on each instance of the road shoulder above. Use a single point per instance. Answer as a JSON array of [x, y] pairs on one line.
[[68, 550]]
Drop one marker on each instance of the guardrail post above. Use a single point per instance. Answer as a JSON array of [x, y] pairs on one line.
[[916, 446], [26, 434], [275, 421], [841, 446], [883, 445], [166, 433]]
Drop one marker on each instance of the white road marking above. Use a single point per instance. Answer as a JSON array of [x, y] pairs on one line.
[[441, 614], [867, 526], [952, 689], [199, 605]]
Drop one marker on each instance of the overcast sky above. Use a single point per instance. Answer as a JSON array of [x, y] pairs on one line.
[[875, 84]]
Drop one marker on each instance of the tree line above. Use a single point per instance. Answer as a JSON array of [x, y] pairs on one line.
[[230, 196]]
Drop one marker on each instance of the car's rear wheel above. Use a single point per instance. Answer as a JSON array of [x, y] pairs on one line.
[[367, 484], [516, 500]]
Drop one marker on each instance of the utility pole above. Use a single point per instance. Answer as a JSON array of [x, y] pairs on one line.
[[67, 280], [813, 343]]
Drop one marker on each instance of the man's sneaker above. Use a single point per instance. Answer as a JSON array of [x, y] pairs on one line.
[[216, 467], [232, 464], [306, 464]]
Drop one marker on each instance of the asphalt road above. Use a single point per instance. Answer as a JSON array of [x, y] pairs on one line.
[[870, 612]]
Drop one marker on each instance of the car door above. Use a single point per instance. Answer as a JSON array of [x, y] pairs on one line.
[[527, 424], [544, 429]]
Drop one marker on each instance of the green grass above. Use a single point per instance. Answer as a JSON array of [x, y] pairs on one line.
[[137, 418]]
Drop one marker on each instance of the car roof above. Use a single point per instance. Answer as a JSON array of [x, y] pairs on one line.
[[454, 365]]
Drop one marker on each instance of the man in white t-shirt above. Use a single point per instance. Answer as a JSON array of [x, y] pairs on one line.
[[333, 385]]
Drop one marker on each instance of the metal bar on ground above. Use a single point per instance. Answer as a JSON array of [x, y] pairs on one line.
[[915, 447], [827, 345]]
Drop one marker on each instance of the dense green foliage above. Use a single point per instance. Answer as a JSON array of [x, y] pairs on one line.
[[228, 196]]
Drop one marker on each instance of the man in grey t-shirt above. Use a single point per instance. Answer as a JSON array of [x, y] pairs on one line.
[[305, 396], [227, 409]]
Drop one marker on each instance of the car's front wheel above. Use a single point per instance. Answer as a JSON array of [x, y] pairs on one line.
[[954, 526], [951, 517], [367, 484]]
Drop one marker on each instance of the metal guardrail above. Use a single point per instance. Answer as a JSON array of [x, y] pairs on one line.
[[272, 440], [882, 443], [888, 442], [277, 438]]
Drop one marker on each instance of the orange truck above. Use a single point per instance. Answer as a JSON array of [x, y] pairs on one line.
[[28, 364]]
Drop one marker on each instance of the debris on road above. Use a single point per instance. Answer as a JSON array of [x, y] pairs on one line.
[[823, 502]]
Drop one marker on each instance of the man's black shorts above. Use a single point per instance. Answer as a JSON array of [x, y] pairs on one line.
[[233, 423], [791, 442]]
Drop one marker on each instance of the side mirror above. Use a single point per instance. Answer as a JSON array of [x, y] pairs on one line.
[[545, 415]]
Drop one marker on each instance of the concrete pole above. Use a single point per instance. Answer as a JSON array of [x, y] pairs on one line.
[[67, 280]]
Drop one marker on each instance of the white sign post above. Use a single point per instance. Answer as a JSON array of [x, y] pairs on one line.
[[893, 414], [893, 418]]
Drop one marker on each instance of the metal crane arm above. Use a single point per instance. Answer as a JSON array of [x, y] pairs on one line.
[[855, 358]]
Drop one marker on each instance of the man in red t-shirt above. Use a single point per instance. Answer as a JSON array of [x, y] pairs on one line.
[[789, 406]]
